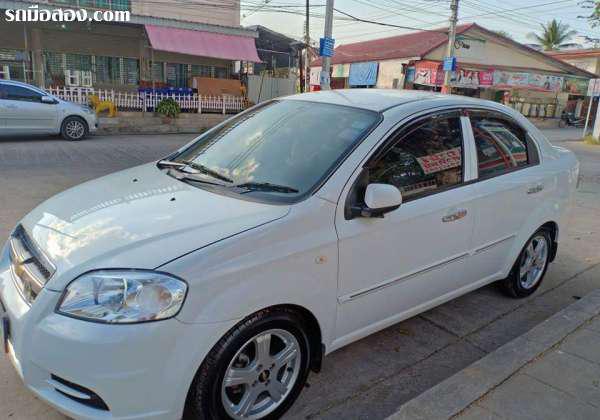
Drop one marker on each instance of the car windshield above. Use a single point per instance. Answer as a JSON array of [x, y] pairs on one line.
[[281, 149]]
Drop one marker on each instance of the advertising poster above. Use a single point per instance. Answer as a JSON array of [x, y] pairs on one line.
[[363, 74]]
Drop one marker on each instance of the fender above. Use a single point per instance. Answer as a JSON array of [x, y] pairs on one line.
[[285, 262]]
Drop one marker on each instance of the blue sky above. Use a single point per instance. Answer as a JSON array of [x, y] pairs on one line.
[[517, 17]]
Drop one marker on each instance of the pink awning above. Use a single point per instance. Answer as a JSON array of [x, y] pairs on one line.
[[203, 44]]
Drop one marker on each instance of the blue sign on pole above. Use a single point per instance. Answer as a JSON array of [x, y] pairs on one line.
[[326, 47], [449, 63]]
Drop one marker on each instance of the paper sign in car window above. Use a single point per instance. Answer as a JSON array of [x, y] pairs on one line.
[[441, 161]]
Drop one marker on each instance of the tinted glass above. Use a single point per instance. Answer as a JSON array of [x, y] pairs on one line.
[[18, 93], [290, 143], [427, 158], [501, 146]]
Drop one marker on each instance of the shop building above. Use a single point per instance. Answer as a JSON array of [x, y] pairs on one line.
[[586, 59], [160, 46], [490, 66]]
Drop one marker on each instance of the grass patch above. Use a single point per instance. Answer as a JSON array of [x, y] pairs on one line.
[[589, 139]]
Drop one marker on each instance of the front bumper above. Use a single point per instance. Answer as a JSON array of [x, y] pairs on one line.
[[140, 371]]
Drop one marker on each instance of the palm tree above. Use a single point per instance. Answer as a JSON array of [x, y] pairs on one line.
[[554, 35]]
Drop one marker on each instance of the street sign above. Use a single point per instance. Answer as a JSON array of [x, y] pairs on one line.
[[326, 47], [449, 63], [593, 87]]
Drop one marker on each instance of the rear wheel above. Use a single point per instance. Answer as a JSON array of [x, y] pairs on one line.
[[562, 123], [255, 372], [74, 128], [529, 269]]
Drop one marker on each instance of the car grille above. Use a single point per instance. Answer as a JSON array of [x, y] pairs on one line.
[[30, 267]]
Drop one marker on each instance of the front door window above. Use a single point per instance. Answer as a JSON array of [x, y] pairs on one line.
[[427, 158]]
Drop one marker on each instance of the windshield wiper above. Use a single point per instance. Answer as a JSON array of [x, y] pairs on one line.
[[192, 177], [165, 163], [266, 186], [181, 166], [205, 170]]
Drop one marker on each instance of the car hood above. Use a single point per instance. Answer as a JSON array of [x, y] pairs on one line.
[[137, 218]]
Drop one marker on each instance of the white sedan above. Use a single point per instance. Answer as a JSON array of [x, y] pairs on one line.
[[27, 110], [210, 283]]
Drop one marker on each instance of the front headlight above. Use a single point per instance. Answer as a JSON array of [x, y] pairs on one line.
[[123, 296]]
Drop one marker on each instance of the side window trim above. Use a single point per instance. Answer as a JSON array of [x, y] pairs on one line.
[[471, 170], [404, 129]]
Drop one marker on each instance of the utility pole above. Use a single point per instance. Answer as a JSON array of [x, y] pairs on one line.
[[326, 68], [451, 40], [306, 49]]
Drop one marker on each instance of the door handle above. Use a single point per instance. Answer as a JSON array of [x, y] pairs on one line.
[[535, 189], [457, 215]]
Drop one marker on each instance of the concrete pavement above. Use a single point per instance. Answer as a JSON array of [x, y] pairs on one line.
[[550, 372], [368, 379]]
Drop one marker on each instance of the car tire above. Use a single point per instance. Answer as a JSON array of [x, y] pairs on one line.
[[530, 268], [210, 398], [74, 129]]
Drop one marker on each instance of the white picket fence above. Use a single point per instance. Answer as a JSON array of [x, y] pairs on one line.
[[136, 101]]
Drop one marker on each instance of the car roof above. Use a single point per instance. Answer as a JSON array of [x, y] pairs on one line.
[[380, 99]]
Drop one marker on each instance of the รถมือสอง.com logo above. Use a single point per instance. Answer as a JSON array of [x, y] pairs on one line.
[[35, 14]]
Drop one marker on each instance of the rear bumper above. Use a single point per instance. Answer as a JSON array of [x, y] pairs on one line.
[[140, 371]]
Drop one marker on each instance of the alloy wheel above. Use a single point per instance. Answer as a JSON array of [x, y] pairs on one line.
[[75, 129], [261, 375], [533, 262]]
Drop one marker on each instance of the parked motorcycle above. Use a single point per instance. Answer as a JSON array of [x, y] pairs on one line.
[[569, 119]]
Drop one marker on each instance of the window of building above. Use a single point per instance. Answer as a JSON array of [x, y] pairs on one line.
[[130, 71], [97, 4], [14, 64], [221, 72], [426, 158], [108, 70], [54, 68], [501, 145], [202, 70], [158, 71], [177, 75], [102, 69]]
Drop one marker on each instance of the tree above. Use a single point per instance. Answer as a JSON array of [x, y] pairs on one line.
[[554, 34], [594, 7]]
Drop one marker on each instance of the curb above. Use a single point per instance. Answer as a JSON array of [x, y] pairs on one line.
[[453, 395]]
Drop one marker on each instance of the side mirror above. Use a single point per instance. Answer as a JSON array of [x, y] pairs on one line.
[[48, 100], [379, 200]]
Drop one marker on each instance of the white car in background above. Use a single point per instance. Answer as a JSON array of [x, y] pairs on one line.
[[27, 110], [210, 283]]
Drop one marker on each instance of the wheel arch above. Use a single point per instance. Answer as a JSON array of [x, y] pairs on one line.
[[552, 227], [314, 333], [79, 117]]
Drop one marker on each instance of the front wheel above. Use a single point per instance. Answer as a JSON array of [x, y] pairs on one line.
[[562, 123], [529, 269], [256, 371], [74, 128]]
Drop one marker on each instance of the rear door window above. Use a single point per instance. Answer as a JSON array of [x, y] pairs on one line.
[[501, 145]]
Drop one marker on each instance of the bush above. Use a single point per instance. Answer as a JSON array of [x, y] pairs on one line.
[[169, 108]]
